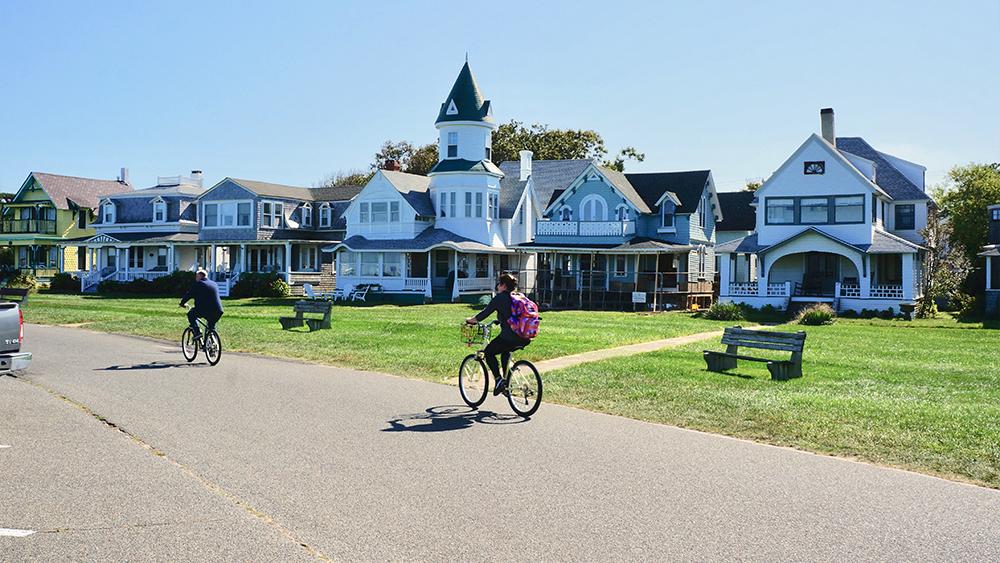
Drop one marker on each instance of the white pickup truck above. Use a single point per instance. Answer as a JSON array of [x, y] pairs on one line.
[[12, 333]]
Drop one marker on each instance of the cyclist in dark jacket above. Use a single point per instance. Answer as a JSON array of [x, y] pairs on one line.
[[507, 341], [207, 304]]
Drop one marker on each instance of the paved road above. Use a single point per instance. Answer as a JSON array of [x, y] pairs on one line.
[[272, 460]]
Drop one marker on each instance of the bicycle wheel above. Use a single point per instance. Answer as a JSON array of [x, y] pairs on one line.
[[189, 346], [524, 388], [472, 381], [213, 347]]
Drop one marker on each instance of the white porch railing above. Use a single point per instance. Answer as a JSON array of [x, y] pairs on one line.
[[743, 289], [778, 290], [586, 228], [886, 292], [849, 290], [474, 284], [416, 284], [133, 275], [94, 277]]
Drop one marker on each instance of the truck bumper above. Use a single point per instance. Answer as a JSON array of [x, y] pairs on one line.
[[14, 362]]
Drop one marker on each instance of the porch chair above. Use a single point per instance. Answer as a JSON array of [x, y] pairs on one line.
[[337, 294], [307, 290]]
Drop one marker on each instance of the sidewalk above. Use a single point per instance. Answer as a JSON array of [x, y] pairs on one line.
[[629, 350]]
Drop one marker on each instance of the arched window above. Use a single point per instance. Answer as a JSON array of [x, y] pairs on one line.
[[307, 215], [325, 215], [621, 212], [565, 214], [593, 208]]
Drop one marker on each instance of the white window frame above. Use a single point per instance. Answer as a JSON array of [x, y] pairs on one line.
[[620, 265], [599, 206], [109, 212], [468, 204], [160, 206], [364, 212], [275, 218], [452, 143], [307, 215], [443, 204], [225, 209], [325, 216], [565, 213], [663, 217], [619, 215], [479, 204], [308, 258]]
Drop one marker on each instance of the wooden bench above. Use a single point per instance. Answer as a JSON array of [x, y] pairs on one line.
[[9, 293], [306, 306], [735, 337]]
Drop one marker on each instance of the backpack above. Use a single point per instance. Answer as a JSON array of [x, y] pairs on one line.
[[524, 317]]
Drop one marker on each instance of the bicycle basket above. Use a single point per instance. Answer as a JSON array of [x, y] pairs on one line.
[[472, 334]]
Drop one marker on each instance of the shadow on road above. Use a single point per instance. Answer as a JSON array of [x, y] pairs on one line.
[[448, 417], [153, 365]]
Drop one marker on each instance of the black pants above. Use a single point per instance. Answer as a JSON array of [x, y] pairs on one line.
[[210, 319], [502, 345]]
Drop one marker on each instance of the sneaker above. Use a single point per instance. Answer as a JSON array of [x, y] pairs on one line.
[[499, 387]]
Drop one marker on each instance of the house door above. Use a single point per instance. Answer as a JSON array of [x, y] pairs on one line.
[[821, 276], [442, 268]]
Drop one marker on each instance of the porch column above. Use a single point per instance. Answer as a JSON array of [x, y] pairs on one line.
[[636, 273], [908, 276], [454, 268], [170, 258], [762, 280], [989, 272], [288, 262], [428, 290], [243, 257], [125, 262], [724, 264], [61, 260], [489, 266], [866, 277]]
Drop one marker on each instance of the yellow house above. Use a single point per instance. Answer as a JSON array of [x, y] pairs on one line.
[[47, 210]]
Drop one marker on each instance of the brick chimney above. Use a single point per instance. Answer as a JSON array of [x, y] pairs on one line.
[[525, 164], [392, 164], [826, 125]]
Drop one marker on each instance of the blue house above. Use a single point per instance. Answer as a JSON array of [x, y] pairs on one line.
[[254, 226], [610, 240], [139, 233]]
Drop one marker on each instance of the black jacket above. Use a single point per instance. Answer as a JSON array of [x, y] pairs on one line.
[[206, 297], [501, 305]]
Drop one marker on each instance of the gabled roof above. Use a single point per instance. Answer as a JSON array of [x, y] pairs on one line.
[[413, 188], [624, 187], [68, 192], [462, 165], [547, 178], [465, 102], [887, 177], [335, 193], [737, 213], [687, 186]]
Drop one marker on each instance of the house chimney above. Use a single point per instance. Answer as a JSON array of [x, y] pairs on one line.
[[525, 164], [123, 178], [826, 125], [197, 176], [392, 164]]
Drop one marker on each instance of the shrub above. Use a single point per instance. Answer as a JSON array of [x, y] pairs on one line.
[[888, 314], [23, 280], [174, 284], [724, 311], [769, 310], [110, 286], [968, 306], [849, 314], [64, 283], [260, 285], [818, 314]]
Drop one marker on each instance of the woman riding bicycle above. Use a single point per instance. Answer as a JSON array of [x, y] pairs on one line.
[[507, 341]]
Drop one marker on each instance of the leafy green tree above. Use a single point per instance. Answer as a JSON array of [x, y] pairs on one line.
[[413, 159], [945, 265], [556, 144], [963, 200], [627, 153], [345, 178], [423, 159], [754, 184]]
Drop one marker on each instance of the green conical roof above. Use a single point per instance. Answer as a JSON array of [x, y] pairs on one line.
[[465, 102]]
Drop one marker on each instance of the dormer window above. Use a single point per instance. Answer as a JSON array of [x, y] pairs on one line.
[[272, 214], [666, 216], [159, 211], [565, 214], [325, 216], [108, 212], [307, 215], [452, 144], [621, 213]]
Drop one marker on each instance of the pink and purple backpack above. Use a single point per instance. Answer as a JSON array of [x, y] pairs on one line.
[[523, 316]]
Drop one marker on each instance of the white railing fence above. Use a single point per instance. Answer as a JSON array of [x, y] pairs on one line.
[[133, 275], [586, 228], [849, 290], [783, 289], [743, 289], [887, 292]]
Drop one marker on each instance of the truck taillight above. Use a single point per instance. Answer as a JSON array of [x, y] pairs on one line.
[[20, 333]]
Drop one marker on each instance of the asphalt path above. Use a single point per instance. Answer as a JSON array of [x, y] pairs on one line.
[[121, 451]]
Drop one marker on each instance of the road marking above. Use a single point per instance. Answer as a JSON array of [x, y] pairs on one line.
[[15, 533]]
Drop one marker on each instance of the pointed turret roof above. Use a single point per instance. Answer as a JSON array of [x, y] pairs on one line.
[[465, 102]]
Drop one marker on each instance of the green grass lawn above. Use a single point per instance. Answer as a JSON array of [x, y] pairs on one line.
[[921, 395], [421, 341]]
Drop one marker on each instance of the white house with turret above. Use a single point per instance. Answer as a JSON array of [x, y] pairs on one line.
[[446, 235], [838, 222]]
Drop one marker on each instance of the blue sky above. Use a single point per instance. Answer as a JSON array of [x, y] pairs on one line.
[[289, 92]]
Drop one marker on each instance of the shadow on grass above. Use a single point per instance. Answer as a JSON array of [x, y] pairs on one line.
[[153, 365], [448, 417]]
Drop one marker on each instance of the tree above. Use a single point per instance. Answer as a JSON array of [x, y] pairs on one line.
[[963, 200], [945, 265], [413, 159], [627, 153], [345, 178], [556, 144], [754, 184]]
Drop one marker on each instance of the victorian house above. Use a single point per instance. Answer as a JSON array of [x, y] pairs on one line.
[[991, 252], [838, 222]]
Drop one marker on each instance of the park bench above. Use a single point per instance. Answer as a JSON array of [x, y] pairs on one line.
[[302, 307], [10, 293], [736, 337]]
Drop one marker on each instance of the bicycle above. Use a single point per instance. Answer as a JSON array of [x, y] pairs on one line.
[[524, 384], [208, 341]]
